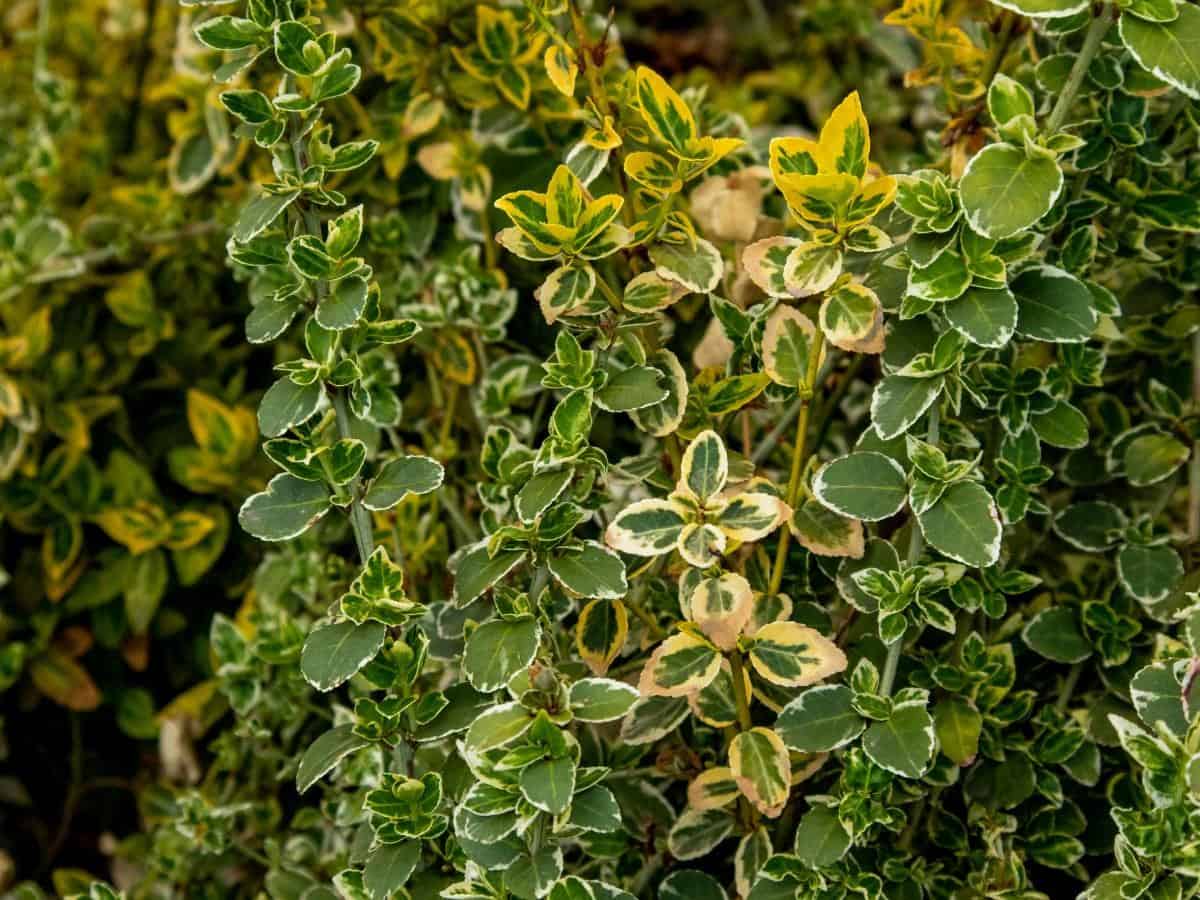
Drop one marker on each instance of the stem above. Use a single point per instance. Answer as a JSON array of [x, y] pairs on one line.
[[916, 545], [1068, 688], [448, 416], [1194, 469], [360, 519], [798, 456], [1007, 31], [1091, 44], [748, 813], [737, 670], [634, 604]]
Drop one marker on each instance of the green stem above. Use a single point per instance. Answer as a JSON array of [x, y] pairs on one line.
[[1068, 687], [741, 701], [798, 456], [1194, 469], [1091, 45], [916, 546], [360, 519]]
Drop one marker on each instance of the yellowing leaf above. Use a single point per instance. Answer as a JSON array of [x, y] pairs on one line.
[[561, 68], [721, 607], [762, 769], [846, 139], [712, 789], [454, 357], [794, 655], [600, 633], [666, 115], [787, 342], [852, 318], [140, 527], [681, 664]]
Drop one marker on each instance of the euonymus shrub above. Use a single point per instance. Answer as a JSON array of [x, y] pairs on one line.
[[667, 507]]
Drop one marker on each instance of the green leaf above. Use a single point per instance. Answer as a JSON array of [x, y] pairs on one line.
[[1054, 306], [865, 485], [228, 33], [662, 418], [903, 743], [1061, 426], [1169, 50], [601, 699], [595, 810], [821, 719], [964, 525], [1056, 634], [260, 213], [1149, 458], [958, 725], [1004, 190], [689, 884], [291, 42], [542, 490], [634, 388], [389, 867], [499, 649], [1093, 525], [1007, 98], [984, 316], [334, 652], [1149, 573], [944, 279], [477, 572], [343, 306], [696, 832], [534, 874], [821, 839], [400, 477], [548, 784], [697, 267], [1158, 696], [1043, 9], [286, 404], [498, 726], [899, 401], [593, 571], [286, 509]]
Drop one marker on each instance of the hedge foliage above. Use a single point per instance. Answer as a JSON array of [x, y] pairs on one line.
[[531, 449]]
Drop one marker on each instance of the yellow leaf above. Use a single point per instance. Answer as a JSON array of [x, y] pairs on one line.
[[454, 357], [665, 113], [561, 68], [846, 139], [140, 527]]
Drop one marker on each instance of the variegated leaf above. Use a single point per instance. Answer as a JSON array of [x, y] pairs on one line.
[[760, 764], [681, 664], [793, 655]]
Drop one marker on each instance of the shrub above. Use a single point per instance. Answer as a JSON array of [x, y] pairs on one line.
[[673, 500]]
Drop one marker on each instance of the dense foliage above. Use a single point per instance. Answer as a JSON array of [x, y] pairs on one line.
[[531, 450]]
